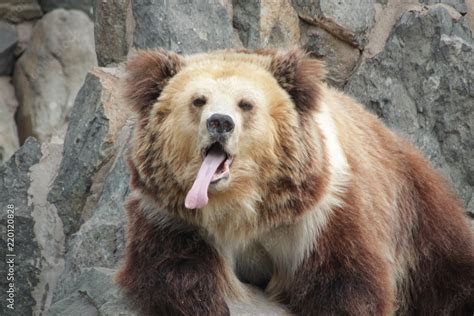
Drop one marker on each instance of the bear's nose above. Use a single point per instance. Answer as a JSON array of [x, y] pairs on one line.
[[220, 125]]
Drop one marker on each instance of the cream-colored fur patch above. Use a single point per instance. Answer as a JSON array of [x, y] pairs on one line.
[[289, 245]]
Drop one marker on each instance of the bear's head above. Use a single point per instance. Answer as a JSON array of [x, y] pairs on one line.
[[224, 128]]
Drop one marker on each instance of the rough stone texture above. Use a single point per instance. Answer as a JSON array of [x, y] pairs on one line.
[[348, 20], [459, 5], [386, 16], [113, 30], [8, 42], [340, 58], [39, 239], [183, 26], [93, 293], [94, 124], [266, 23], [101, 239], [51, 71], [14, 184], [86, 6], [94, 181], [19, 10], [8, 133], [422, 85]]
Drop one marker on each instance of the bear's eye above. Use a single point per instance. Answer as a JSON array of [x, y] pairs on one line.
[[200, 101], [245, 105]]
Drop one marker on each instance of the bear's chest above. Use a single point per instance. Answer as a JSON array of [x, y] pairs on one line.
[[254, 265]]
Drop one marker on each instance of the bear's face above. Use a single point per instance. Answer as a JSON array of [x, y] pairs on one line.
[[214, 123], [221, 124]]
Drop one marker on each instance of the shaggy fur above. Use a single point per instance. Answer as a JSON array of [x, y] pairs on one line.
[[326, 209]]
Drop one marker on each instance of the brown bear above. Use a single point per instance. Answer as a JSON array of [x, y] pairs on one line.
[[246, 168]]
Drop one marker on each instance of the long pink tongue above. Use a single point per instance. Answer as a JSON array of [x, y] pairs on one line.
[[197, 196]]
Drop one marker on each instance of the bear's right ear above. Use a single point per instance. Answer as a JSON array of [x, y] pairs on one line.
[[147, 73]]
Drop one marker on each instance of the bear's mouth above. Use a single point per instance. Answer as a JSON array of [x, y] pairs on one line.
[[223, 170], [214, 168]]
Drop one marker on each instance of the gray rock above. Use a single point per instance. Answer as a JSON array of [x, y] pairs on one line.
[[459, 5], [101, 239], [8, 42], [94, 123], [8, 106], [422, 84], [49, 74], [14, 185], [348, 20], [246, 20], [339, 57], [113, 30], [94, 293], [78, 304], [263, 24], [184, 26], [87, 6], [20, 10]]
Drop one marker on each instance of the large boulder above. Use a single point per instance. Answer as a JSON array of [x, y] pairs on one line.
[[20, 10], [183, 26], [90, 145], [422, 84], [51, 71], [8, 106]]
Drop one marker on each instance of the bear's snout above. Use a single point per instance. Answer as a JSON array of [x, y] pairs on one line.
[[220, 126]]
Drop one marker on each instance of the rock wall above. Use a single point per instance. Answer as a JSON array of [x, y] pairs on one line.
[[46, 58], [409, 61]]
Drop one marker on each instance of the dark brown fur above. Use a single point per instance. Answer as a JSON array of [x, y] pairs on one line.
[[169, 269], [345, 275], [299, 75], [147, 74]]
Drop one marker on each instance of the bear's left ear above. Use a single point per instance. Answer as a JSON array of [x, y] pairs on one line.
[[147, 73], [300, 76]]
